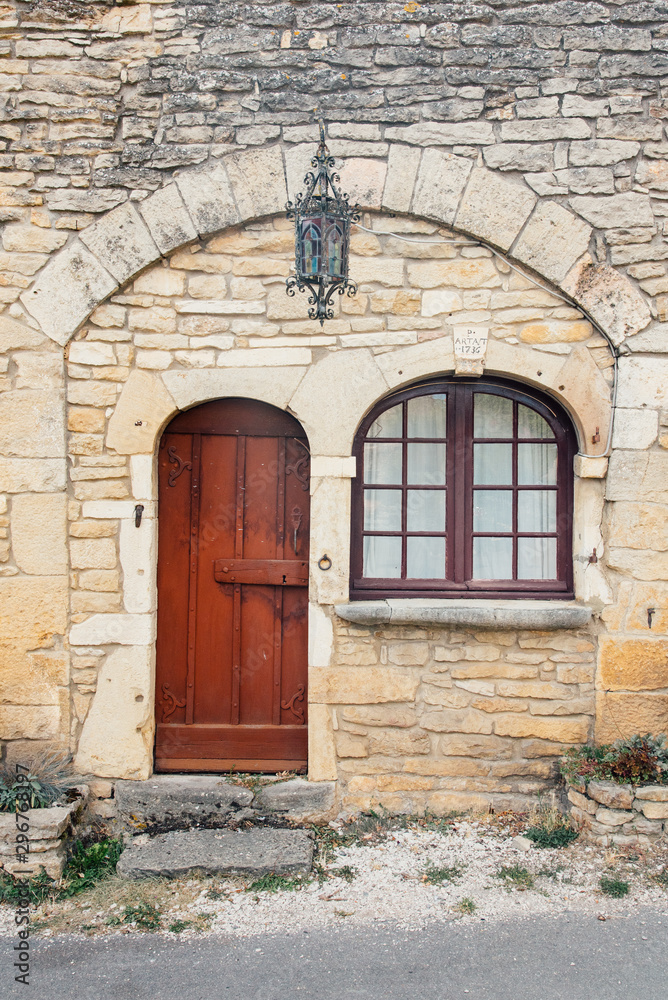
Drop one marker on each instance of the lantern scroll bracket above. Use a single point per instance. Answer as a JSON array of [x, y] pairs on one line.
[[322, 218]]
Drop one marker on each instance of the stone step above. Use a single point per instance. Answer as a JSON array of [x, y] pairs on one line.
[[258, 851], [168, 802]]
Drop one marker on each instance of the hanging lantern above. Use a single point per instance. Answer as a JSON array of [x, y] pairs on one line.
[[322, 236]]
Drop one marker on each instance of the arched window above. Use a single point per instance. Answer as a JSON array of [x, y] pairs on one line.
[[463, 489]]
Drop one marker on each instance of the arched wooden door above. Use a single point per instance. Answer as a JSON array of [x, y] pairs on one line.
[[232, 590]]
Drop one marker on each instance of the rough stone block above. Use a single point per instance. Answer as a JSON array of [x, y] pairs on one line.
[[610, 794], [39, 533], [643, 380], [275, 385], [126, 630], [581, 801], [179, 802], [32, 610], [651, 793], [117, 737], [654, 810], [439, 186], [297, 800], [121, 242], [565, 730], [71, 285], [552, 240], [443, 133], [617, 211], [635, 428], [613, 817], [141, 412], [382, 715], [32, 475], [494, 208], [29, 722], [209, 200], [220, 852], [632, 664], [462, 721], [167, 218], [32, 424], [638, 476], [361, 685], [621, 715]]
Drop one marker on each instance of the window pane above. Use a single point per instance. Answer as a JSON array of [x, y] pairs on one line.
[[382, 463], [382, 510], [537, 510], [537, 463], [493, 464], [388, 424], [492, 416], [492, 510], [426, 510], [382, 557], [536, 558], [492, 558], [425, 558], [531, 425], [426, 464], [426, 416]]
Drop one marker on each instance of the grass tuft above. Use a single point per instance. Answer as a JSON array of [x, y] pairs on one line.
[[466, 906], [516, 877], [615, 887], [275, 883], [437, 876]]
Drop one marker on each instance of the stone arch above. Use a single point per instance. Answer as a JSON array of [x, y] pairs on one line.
[[506, 214]]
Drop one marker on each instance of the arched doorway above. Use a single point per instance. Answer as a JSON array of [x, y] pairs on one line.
[[233, 545]]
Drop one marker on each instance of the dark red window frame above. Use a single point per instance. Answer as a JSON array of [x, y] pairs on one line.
[[459, 499]]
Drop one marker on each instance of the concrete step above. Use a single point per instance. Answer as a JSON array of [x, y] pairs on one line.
[[258, 851], [168, 802]]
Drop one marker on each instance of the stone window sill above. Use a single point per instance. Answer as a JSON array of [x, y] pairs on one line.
[[514, 614]]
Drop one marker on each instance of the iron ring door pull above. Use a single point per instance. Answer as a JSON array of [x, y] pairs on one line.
[[325, 563]]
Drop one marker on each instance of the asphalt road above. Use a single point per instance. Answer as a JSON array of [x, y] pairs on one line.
[[556, 958]]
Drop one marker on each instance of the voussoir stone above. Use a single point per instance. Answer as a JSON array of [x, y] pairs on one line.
[[552, 240], [179, 802], [67, 290], [494, 208], [610, 794], [258, 180], [121, 242], [609, 297], [220, 852], [297, 799], [167, 218], [209, 200], [440, 183]]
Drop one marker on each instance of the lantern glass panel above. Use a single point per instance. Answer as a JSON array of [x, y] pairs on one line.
[[334, 244], [311, 246]]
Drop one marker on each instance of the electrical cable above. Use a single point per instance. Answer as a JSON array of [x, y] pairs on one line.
[[473, 243]]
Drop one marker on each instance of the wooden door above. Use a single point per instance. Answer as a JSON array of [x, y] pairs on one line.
[[232, 590]]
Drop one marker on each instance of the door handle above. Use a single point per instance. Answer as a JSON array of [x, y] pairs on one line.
[[296, 524]]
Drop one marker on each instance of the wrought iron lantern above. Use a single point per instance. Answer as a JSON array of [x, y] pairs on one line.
[[322, 236]]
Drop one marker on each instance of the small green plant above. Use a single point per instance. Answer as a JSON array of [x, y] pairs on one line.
[[34, 890], [516, 877], [345, 872], [180, 925], [437, 876], [466, 906], [274, 883], [89, 864], [143, 915], [661, 878], [615, 887]]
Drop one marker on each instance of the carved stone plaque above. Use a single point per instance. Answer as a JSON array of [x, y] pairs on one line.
[[470, 344]]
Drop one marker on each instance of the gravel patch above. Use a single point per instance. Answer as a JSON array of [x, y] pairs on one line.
[[469, 870]]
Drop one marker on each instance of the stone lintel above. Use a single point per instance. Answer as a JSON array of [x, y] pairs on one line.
[[520, 614]]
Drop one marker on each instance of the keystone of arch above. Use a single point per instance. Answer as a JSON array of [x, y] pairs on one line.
[[428, 183]]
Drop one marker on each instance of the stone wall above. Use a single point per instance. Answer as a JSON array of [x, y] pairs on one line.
[[538, 128], [610, 814]]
